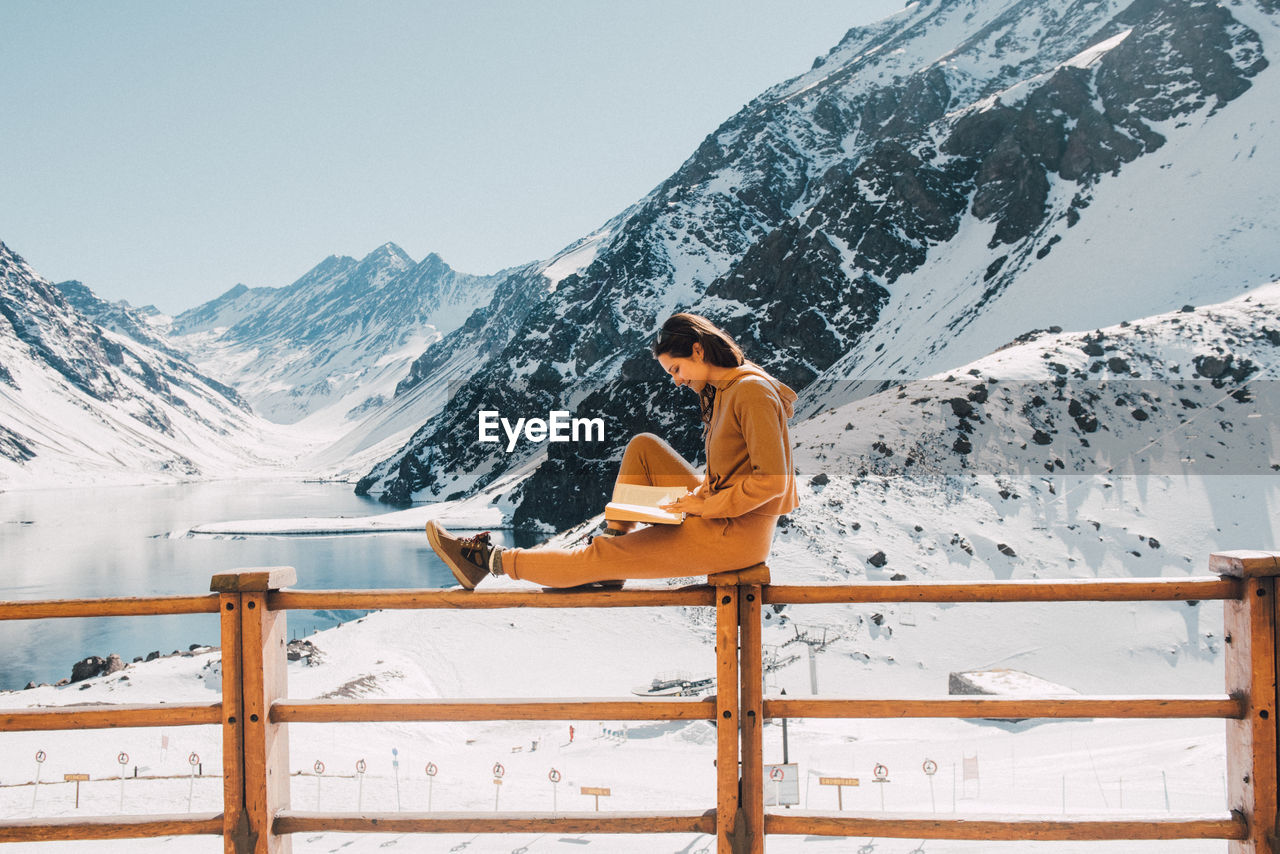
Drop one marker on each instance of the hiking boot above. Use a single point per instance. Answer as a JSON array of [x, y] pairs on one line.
[[469, 558]]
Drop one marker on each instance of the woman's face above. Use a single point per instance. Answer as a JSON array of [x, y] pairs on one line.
[[691, 370]]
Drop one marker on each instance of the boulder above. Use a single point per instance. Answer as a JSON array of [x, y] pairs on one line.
[[88, 668]]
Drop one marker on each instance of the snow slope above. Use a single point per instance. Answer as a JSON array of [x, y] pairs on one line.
[[86, 404]]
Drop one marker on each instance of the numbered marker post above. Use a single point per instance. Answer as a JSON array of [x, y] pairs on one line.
[[35, 790], [432, 770], [776, 774], [930, 768], [498, 773], [193, 760], [880, 774], [319, 769], [395, 766], [360, 769], [554, 777], [123, 759]]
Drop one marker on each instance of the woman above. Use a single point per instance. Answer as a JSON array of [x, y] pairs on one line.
[[730, 513]]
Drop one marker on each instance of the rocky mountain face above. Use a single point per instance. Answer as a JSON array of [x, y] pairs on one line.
[[336, 342], [1189, 392], [932, 160], [81, 398]]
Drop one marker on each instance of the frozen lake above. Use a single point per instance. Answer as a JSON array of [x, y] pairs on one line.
[[131, 541]]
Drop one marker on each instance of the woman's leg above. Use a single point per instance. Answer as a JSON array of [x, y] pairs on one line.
[[650, 461], [697, 547]]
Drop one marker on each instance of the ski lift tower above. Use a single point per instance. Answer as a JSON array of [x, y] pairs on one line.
[[817, 638]]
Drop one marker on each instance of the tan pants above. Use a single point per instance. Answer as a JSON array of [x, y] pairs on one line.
[[697, 547]]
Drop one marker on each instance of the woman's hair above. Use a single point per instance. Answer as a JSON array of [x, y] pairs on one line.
[[677, 337]]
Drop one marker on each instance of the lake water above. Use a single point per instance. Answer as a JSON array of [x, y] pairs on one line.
[[81, 543]]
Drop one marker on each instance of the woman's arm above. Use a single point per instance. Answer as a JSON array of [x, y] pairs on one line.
[[761, 420]]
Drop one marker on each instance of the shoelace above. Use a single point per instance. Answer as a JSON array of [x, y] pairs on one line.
[[475, 542]]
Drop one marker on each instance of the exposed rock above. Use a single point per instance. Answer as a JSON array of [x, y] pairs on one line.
[[304, 650], [88, 668]]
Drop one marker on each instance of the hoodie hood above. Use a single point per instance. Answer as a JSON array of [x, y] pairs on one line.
[[750, 369]]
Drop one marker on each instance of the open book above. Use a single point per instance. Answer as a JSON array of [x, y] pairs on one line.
[[634, 503]]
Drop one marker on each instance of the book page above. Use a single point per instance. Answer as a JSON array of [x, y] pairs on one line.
[[649, 496], [617, 512]]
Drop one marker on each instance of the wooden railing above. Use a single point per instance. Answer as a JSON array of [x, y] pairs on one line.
[[255, 712]]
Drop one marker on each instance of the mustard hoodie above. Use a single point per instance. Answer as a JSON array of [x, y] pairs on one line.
[[748, 447]]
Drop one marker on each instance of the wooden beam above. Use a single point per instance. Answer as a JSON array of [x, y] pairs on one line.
[[1018, 828], [496, 822], [1031, 590], [1250, 649], [115, 606], [726, 700], [1010, 708], [266, 744], [109, 827], [108, 717], [254, 579], [1245, 564], [357, 711], [751, 724], [320, 600], [236, 838]]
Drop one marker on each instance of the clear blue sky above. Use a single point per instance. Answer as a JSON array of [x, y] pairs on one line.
[[164, 151]]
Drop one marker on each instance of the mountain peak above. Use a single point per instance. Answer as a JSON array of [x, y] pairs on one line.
[[389, 252]]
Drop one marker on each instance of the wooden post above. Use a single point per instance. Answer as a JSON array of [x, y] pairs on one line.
[[235, 827], [1251, 674], [751, 725], [726, 718], [264, 760]]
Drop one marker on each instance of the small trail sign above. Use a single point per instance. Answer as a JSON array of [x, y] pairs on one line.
[[839, 783], [77, 779], [598, 792]]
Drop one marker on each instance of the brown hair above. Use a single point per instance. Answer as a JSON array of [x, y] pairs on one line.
[[677, 337]]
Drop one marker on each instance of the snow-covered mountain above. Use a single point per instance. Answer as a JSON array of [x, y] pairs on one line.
[[1190, 392], [939, 183], [332, 346], [84, 402]]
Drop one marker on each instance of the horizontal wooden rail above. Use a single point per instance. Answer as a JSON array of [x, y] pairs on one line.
[[1007, 828], [364, 711], [109, 827], [108, 717], [320, 600], [1031, 590], [118, 606], [495, 822], [1005, 708]]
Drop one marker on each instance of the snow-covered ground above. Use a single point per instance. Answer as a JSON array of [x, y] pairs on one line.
[[1100, 767]]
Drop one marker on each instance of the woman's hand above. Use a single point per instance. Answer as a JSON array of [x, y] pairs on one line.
[[690, 504]]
